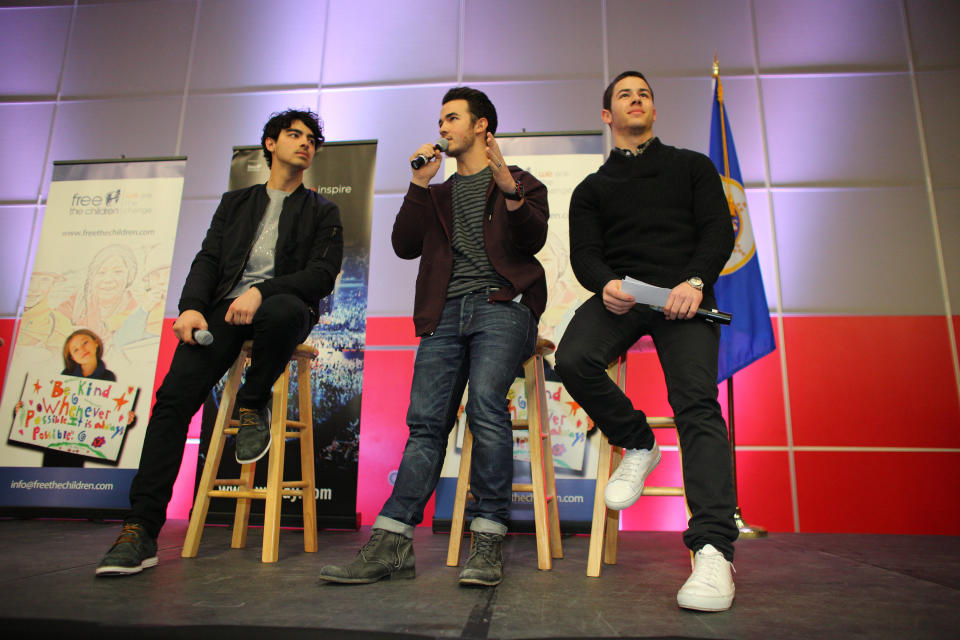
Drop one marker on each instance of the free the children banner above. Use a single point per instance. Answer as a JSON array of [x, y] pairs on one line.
[[77, 394]]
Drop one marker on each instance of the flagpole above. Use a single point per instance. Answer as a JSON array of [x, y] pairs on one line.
[[746, 530]]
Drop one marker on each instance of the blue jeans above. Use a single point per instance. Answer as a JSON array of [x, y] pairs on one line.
[[485, 343]]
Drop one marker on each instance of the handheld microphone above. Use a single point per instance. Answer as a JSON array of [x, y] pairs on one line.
[[203, 337], [710, 315], [421, 159]]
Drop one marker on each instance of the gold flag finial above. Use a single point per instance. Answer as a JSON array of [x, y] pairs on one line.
[[716, 64]]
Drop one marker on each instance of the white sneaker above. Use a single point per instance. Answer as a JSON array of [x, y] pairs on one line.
[[710, 586], [626, 483]]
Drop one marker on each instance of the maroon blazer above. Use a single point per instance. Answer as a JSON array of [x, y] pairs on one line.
[[424, 228]]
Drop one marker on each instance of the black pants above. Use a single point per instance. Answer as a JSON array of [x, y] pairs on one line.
[[279, 325], [688, 355]]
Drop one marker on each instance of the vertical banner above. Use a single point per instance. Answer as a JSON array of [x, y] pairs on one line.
[[78, 387], [342, 172], [560, 161]]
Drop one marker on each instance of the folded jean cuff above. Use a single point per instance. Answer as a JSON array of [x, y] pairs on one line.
[[482, 525], [394, 526]]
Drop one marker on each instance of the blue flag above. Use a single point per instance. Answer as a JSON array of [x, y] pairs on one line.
[[739, 290]]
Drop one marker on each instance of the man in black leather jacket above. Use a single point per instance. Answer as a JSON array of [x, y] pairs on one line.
[[272, 252]]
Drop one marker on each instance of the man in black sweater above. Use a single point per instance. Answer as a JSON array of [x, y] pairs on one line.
[[272, 252], [658, 214]]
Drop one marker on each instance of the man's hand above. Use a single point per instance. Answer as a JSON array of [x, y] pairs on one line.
[[615, 300], [241, 310], [683, 302], [501, 174], [423, 175], [186, 323]]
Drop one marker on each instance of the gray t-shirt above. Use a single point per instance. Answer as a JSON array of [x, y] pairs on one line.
[[260, 263]]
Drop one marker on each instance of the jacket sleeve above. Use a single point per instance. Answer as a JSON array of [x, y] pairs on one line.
[[409, 227], [201, 283], [319, 275], [715, 237], [586, 241], [528, 223]]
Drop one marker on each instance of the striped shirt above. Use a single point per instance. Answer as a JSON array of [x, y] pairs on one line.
[[472, 270]]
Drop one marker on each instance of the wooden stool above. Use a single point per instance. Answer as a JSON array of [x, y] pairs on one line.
[[606, 522], [543, 483], [281, 428]]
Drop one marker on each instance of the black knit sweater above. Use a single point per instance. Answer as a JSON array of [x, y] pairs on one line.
[[660, 217]]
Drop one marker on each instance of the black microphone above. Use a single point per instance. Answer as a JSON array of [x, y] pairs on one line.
[[202, 337], [710, 315], [421, 159]]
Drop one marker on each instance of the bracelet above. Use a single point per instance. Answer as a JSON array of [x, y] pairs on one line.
[[517, 195]]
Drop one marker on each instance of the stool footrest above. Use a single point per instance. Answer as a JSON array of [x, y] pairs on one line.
[[252, 494], [662, 423], [662, 491]]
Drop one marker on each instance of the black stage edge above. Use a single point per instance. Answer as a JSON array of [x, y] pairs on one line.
[[791, 586]]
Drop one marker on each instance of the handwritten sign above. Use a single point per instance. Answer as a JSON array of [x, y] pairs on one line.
[[77, 415]]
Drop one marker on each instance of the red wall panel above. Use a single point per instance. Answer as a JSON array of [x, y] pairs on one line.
[[383, 432], [872, 381], [6, 334], [763, 487], [879, 492]]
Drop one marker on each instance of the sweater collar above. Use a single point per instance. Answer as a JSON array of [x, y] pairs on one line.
[[618, 163]]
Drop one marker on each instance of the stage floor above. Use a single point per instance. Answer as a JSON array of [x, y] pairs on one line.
[[788, 586]]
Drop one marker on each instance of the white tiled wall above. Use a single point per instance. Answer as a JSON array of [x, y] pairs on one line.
[[820, 95]]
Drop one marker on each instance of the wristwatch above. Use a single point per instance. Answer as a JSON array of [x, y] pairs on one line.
[[696, 283], [517, 195]]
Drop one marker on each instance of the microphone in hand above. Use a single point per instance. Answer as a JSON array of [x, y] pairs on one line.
[[440, 145], [202, 337]]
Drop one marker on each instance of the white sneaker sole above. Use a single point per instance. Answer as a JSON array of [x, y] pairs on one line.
[[127, 571], [704, 603], [615, 505]]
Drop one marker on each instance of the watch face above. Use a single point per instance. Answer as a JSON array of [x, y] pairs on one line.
[[696, 283]]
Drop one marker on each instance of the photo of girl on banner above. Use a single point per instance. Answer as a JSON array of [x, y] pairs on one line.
[[64, 440]]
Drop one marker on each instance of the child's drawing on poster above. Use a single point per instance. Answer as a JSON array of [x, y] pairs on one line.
[[568, 425], [83, 416]]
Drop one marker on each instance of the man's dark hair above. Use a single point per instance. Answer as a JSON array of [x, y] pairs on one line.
[[478, 103], [280, 121], [608, 93]]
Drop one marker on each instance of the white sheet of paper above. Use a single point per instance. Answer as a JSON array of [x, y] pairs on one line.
[[645, 293]]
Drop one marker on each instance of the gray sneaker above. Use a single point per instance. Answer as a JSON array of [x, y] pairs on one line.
[[386, 555], [253, 436], [133, 552], [484, 567]]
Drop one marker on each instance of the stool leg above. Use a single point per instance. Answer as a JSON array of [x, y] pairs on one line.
[[307, 473], [278, 429], [613, 517], [241, 514], [553, 506], [541, 525], [460, 501], [201, 503], [599, 525]]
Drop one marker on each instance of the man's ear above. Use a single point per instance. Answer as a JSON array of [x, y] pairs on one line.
[[270, 144], [606, 116], [480, 126]]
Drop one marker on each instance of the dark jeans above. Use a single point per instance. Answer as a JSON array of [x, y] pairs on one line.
[[688, 355], [279, 325], [486, 343]]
